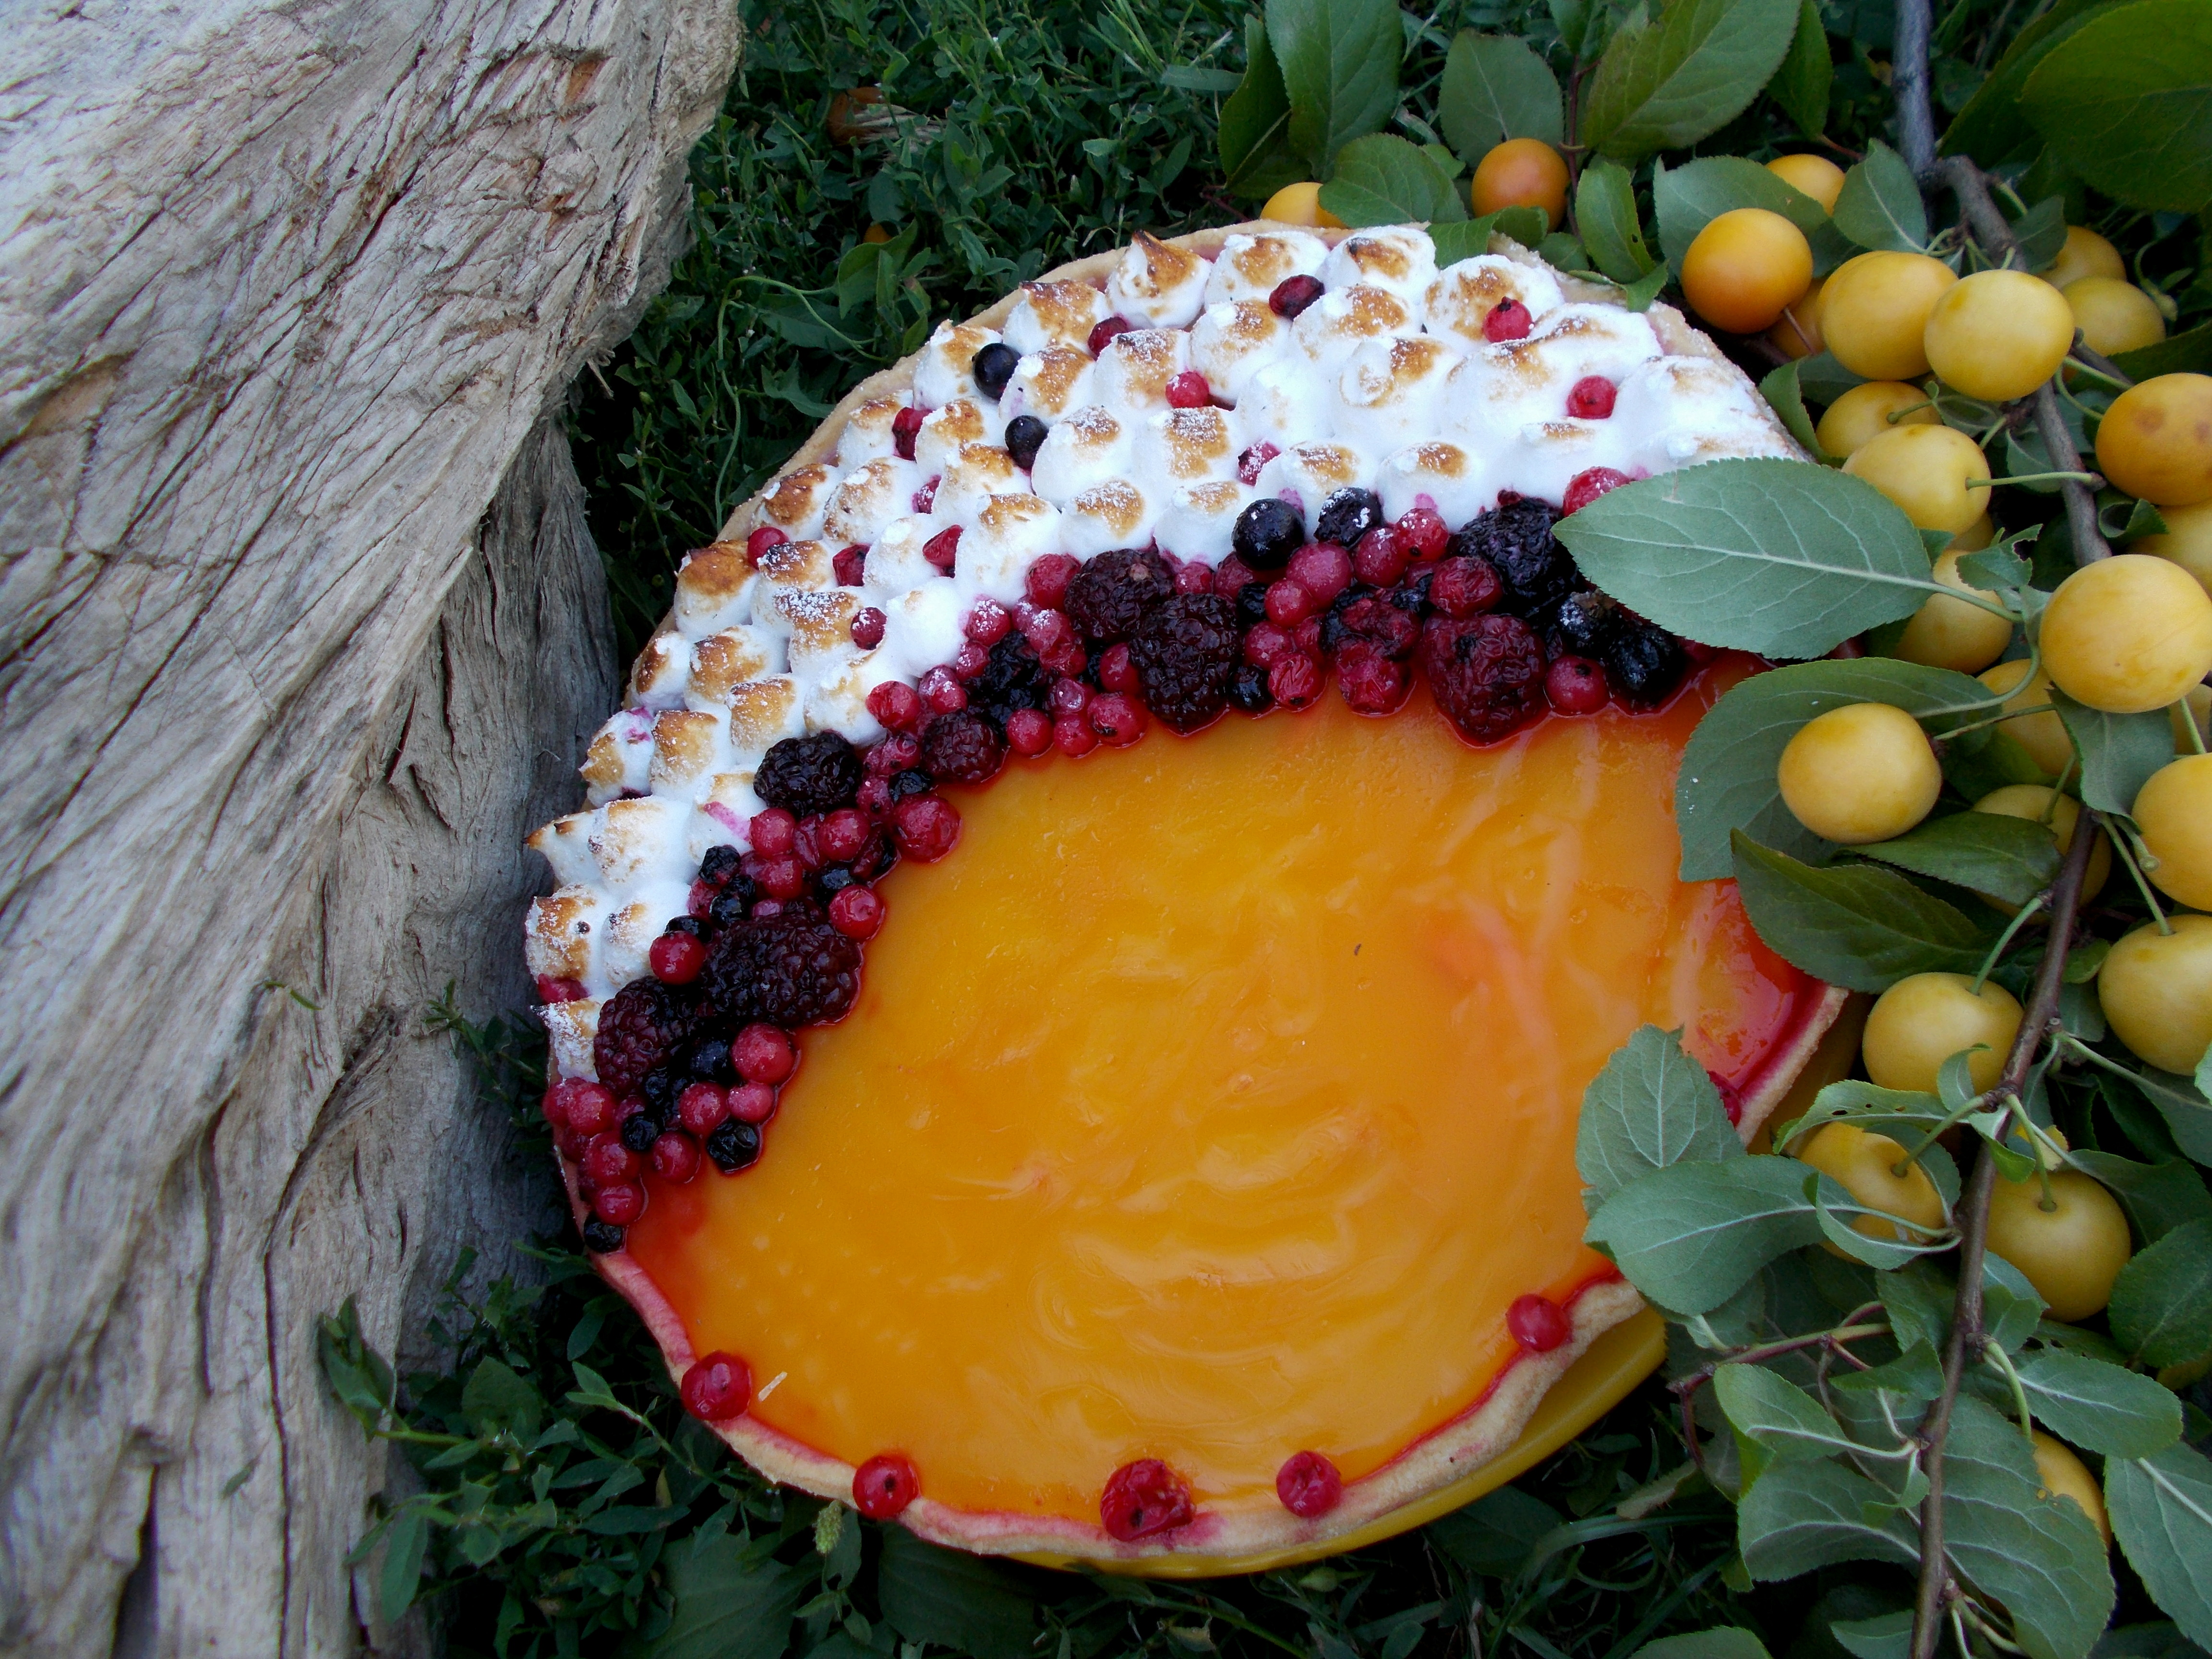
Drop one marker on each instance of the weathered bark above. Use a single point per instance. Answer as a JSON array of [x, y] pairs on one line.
[[299, 630]]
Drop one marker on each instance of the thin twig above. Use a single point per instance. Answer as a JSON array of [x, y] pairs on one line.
[[2090, 357], [1967, 1339], [1916, 121]]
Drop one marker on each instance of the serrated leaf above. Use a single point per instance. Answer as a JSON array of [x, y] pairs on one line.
[[1495, 87], [1688, 74], [2161, 1307], [1639, 295], [2158, 1197], [1466, 238], [1918, 1300], [2162, 1513], [2010, 859], [1651, 1105], [1993, 127], [2099, 1407], [1858, 925], [1881, 205], [1787, 399], [1760, 555], [498, 1399], [1686, 198], [1781, 1418], [1729, 1642], [2187, 353], [1386, 180], [726, 1607], [1800, 86], [1339, 65], [1915, 1374], [1805, 1516], [948, 1597], [1886, 1635], [2041, 232], [1494, 1534], [1824, 379], [2118, 751], [1900, 1241], [1605, 213], [2128, 103], [2011, 1307], [2040, 1558], [1255, 134], [2188, 1118], [1727, 776], [1688, 1236]]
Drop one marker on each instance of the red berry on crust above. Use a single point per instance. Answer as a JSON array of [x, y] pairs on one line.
[[1309, 1485], [1538, 1323], [717, 1388], [1487, 674], [1143, 1498], [884, 1486]]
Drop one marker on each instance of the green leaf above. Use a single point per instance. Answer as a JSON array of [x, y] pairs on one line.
[[948, 1597], [2158, 1197], [2128, 103], [2039, 1557], [1881, 206], [1256, 157], [2010, 1305], [1652, 1105], [2183, 1107], [2186, 353], [498, 1399], [1465, 238], [2099, 1407], [725, 1609], [1787, 399], [2041, 232], [1801, 1516], [405, 1542], [1855, 925], [1888, 1636], [1993, 127], [1494, 1534], [1495, 87], [1686, 198], [2161, 1308], [1786, 1422], [1823, 378], [1696, 69], [1915, 1374], [2011, 859], [1605, 213], [1726, 781], [2162, 1513], [1689, 1235], [1340, 66], [1727, 1642], [1801, 85], [1766, 556], [2118, 751], [1639, 293], [1386, 180]]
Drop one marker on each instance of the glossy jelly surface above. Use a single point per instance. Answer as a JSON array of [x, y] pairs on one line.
[[1214, 1099]]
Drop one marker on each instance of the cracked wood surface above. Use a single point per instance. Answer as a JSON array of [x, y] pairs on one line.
[[300, 629]]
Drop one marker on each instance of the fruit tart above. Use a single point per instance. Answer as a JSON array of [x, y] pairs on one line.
[[1070, 1001]]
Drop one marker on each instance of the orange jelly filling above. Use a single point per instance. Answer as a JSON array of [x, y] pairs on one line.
[[1214, 1100]]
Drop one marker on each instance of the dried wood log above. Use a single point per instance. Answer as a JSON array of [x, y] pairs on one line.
[[301, 628]]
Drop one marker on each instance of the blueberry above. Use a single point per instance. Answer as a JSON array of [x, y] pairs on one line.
[[695, 926], [912, 781], [719, 865], [639, 1131], [1585, 622], [834, 878], [1024, 437], [1249, 690], [1347, 515], [1413, 597], [1267, 532], [993, 367], [1251, 605], [734, 1146], [602, 1238], [1645, 662], [711, 1062], [734, 902], [660, 1088]]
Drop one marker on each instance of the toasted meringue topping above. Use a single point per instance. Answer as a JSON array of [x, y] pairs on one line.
[[1112, 514], [945, 369], [1251, 267], [1459, 300], [1399, 259], [713, 589], [721, 662], [794, 503], [1055, 314], [1231, 341], [945, 429], [1134, 369], [867, 434], [1156, 285], [1330, 329], [1048, 384], [868, 499]]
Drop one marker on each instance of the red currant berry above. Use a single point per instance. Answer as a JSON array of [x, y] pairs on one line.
[[1538, 1323], [763, 1053], [717, 1388], [1188, 390], [1073, 735], [550, 989], [1323, 570], [675, 958], [589, 1107], [1288, 603], [989, 623], [868, 628], [1591, 399], [760, 540], [1309, 1485], [856, 912], [1029, 733], [1119, 720], [942, 549], [1293, 294], [1464, 587], [1142, 1498], [927, 828], [1249, 463], [843, 836], [925, 498], [1508, 321], [884, 1486], [897, 704], [942, 692], [1194, 578], [1069, 696], [1381, 558], [1575, 685], [774, 832], [1424, 531], [1107, 333], [1046, 582], [1307, 637], [970, 661], [755, 1103], [620, 1204], [675, 1158], [1294, 679], [1264, 643], [781, 878], [1114, 673], [701, 1107], [1048, 631], [906, 427], [895, 753], [875, 797], [851, 566], [1586, 487], [606, 1161], [1371, 682]]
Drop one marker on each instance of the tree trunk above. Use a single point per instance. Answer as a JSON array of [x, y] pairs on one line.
[[300, 629]]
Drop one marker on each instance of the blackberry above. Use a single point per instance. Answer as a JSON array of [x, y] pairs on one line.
[[1110, 596], [993, 367], [1516, 539], [1251, 605], [962, 747], [1025, 436], [790, 969], [1185, 654], [660, 1087], [1645, 662], [734, 902], [719, 865], [912, 781], [601, 1237], [734, 1146], [1347, 515], [1267, 534], [1011, 680], [810, 776], [1487, 673], [641, 1026], [1248, 691], [710, 1061], [639, 1131], [1585, 624]]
